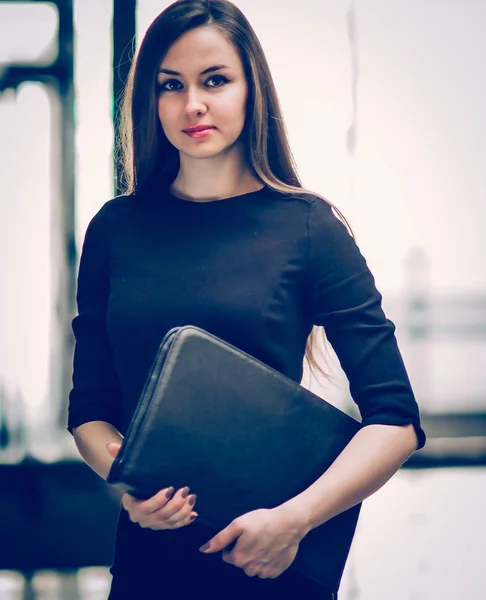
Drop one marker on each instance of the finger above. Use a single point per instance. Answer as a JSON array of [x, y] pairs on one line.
[[161, 500], [160, 525], [132, 505], [113, 449], [159, 512], [143, 511], [252, 569], [177, 511], [190, 518], [222, 539], [146, 507], [129, 503]]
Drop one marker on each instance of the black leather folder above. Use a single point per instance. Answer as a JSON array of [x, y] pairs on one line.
[[241, 435]]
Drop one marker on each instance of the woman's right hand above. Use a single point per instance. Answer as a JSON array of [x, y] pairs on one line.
[[165, 510]]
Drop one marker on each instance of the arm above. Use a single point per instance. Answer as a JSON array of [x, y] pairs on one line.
[[91, 440], [164, 510], [268, 539], [95, 400], [342, 297], [372, 457], [339, 294]]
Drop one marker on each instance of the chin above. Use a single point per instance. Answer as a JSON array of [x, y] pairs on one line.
[[203, 155], [205, 150]]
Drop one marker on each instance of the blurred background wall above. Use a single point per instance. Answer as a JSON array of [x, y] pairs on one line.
[[384, 106]]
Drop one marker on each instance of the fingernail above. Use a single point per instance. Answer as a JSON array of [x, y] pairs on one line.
[[192, 517], [192, 500], [204, 548], [185, 491], [169, 493]]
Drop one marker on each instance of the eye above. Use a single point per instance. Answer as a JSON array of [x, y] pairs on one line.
[[220, 78], [167, 86], [163, 86]]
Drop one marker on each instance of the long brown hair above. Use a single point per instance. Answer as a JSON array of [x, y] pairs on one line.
[[148, 157]]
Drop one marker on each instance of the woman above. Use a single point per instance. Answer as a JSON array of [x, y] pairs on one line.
[[216, 231]]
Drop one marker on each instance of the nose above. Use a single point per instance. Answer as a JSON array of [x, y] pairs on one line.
[[195, 104]]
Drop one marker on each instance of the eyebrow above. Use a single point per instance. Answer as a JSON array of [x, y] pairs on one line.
[[208, 70]]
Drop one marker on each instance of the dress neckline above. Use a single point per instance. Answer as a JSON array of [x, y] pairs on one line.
[[219, 201]]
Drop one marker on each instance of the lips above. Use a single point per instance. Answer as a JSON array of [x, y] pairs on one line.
[[196, 135], [198, 128]]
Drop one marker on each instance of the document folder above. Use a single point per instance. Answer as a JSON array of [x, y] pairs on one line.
[[241, 435]]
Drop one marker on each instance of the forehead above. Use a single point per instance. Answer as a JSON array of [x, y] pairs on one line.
[[200, 48]]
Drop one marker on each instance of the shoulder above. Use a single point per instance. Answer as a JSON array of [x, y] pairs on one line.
[[323, 224], [330, 239], [304, 197], [105, 220], [312, 202], [116, 206], [323, 217], [314, 206], [111, 210]]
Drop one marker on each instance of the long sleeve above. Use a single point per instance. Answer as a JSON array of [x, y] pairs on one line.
[[343, 298], [96, 394]]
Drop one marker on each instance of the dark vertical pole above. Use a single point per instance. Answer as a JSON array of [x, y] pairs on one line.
[[124, 41], [63, 242]]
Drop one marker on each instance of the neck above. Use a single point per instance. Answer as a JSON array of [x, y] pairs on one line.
[[214, 178]]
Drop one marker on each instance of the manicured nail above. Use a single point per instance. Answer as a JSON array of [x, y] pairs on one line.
[[185, 492], [169, 493], [192, 500], [192, 517]]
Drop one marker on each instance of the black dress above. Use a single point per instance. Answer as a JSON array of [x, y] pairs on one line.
[[257, 270]]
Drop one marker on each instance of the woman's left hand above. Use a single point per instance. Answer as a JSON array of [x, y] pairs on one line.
[[267, 541]]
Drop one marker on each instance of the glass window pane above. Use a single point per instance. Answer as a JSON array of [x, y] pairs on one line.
[[27, 32], [25, 300]]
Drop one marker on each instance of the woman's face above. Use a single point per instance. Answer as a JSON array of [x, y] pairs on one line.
[[188, 97]]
